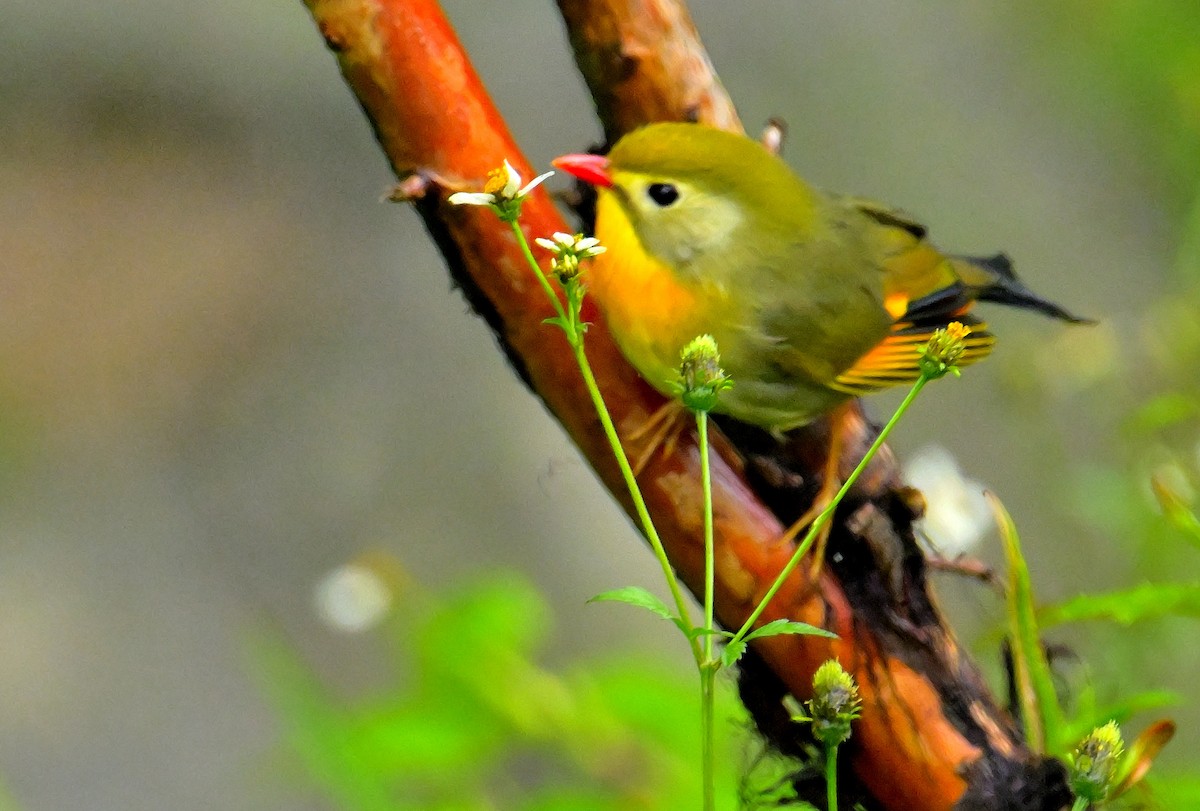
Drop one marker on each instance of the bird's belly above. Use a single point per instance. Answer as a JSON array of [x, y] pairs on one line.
[[777, 406], [652, 318]]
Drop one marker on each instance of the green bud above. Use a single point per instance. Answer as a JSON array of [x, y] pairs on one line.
[[945, 348], [1095, 762], [701, 378], [565, 267], [834, 705]]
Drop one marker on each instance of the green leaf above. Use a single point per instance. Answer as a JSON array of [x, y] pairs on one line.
[[1164, 411], [733, 651], [1176, 791], [573, 799], [472, 620], [316, 729], [1044, 722], [1147, 601], [1090, 714], [780, 627], [636, 595], [1176, 508]]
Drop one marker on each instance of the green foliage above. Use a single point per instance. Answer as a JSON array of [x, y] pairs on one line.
[[1127, 606], [1044, 722], [1142, 59], [479, 723], [640, 597], [737, 646], [1176, 791]]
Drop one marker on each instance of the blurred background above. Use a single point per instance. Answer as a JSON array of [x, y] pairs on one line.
[[227, 370]]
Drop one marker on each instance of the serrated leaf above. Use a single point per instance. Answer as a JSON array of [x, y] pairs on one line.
[[733, 651], [1147, 601], [640, 597], [780, 627], [699, 632]]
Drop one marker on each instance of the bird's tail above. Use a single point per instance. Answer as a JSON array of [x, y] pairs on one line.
[[992, 278]]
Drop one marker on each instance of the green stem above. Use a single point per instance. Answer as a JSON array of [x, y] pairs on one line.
[[541, 277], [635, 493], [708, 673], [1080, 804], [827, 513], [709, 668], [831, 777], [709, 554], [575, 339]]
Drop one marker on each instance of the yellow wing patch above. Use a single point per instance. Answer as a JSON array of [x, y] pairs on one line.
[[896, 359]]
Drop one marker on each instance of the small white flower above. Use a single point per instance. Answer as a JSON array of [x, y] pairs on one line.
[[576, 245], [472, 198], [507, 178], [557, 242], [353, 598], [503, 186], [957, 514], [589, 246], [531, 185], [567, 251]]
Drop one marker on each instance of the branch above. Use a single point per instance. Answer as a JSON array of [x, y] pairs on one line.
[[930, 735]]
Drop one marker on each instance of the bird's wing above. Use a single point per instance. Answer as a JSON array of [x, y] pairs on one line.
[[923, 291], [896, 359]]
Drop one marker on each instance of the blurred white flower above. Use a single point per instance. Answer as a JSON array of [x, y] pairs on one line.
[[352, 598], [957, 515]]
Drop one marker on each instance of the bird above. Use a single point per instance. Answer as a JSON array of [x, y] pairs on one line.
[[813, 298]]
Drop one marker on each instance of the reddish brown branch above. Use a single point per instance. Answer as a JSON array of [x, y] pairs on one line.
[[643, 62], [930, 734]]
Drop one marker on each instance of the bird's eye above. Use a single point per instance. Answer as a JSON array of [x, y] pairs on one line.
[[663, 193]]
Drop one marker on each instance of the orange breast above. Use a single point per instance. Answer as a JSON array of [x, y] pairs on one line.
[[649, 312]]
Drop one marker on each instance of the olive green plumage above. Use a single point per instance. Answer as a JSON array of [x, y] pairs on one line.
[[812, 297]]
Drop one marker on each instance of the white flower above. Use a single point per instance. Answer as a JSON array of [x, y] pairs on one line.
[[957, 514], [503, 186], [576, 245], [568, 250], [353, 598], [472, 198]]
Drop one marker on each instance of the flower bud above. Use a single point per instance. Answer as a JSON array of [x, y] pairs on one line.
[[834, 705], [945, 348], [701, 378], [1094, 763]]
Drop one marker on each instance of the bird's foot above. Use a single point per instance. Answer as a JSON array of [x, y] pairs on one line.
[[659, 432], [831, 483]]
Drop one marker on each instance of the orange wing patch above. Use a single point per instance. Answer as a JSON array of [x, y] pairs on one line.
[[896, 359]]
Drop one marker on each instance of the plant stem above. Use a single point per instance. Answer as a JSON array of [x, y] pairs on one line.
[[574, 335], [709, 667], [1080, 804], [708, 673], [827, 513], [635, 493], [831, 777], [541, 277], [709, 553]]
